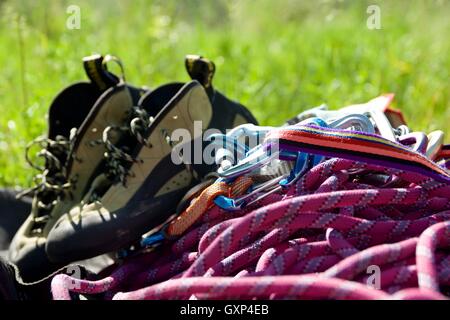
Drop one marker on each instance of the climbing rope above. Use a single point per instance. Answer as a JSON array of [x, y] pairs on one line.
[[315, 240]]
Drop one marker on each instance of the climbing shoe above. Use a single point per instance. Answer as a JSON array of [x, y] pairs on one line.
[[144, 184], [72, 158]]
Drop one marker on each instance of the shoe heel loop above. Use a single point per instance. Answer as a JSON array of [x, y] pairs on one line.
[[96, 69], [202, 70]]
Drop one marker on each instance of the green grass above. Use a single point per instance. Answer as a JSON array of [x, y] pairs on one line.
[[277, 57]]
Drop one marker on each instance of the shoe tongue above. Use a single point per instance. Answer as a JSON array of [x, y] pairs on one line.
[[98, 73], [70, 107], [231, 113], [153, 102]]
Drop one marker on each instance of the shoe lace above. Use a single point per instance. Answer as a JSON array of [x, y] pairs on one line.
[[51, 183], [118, 158]]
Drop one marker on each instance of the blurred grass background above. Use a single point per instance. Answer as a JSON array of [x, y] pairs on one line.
[[277, 57]]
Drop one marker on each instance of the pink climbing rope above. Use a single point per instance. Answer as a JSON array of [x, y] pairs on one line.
[[315, 240]]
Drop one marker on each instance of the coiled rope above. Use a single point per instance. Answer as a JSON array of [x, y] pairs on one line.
[[315, 240]]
